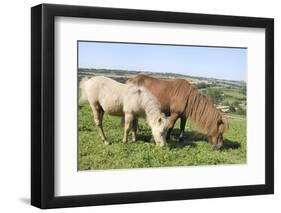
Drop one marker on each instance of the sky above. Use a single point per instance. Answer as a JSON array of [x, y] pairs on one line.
[[211, 62]]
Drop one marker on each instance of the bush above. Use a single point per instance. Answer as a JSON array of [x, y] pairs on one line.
[[215, 95], [232, 109], [236, 104], [202, 85]]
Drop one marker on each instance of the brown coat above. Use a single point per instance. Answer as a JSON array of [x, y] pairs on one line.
[[179, 99]]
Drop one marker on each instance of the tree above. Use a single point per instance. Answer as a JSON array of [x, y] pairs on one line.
[[202, 85], [215, 95], [232, 109]]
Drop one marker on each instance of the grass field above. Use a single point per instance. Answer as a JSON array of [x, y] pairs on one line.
[[92, 154]]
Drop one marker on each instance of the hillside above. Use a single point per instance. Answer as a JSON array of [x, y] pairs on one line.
[[227, 95]]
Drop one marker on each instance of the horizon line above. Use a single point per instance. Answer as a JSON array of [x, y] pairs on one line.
[[161, 73]]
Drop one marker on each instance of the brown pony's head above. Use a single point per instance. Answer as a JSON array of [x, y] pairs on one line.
[[206, 116], [215, 137]]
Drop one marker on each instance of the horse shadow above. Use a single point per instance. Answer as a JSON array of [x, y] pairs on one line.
[[190, 140], [144, 135], [192, 137], [147, 138], [228, 144]]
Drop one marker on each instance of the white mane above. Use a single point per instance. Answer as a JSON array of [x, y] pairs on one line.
[[146, 101]]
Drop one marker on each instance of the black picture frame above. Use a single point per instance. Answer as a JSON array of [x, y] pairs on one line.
[[43, 102]]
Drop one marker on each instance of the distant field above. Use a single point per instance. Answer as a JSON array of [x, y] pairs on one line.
[[234, 93], [92, 154]]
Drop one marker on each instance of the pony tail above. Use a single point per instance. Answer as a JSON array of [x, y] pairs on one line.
[[83, 96]]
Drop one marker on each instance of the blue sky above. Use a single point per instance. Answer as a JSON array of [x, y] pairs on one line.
[[222, 63]]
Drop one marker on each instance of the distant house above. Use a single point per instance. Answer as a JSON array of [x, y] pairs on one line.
[[223, 108]]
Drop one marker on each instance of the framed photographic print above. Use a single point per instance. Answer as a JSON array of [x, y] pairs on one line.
[[139, 106]]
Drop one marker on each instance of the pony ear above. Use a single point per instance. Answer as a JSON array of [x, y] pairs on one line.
[[220, 121], [223, 124]]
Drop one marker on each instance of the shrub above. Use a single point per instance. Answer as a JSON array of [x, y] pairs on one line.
[[232, 109], [202, 85], [215, 95]]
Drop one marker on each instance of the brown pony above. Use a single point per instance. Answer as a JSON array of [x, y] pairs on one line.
[[179, 99]]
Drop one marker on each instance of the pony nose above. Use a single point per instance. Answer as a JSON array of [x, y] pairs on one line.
[[162, 144]]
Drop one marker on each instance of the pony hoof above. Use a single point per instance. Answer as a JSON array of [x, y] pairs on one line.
[[105, 142], [161, 145]]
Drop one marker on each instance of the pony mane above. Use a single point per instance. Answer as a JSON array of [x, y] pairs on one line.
[[149, 103], [203, 112]]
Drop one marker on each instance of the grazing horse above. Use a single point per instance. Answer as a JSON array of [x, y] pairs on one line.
[[179, 99], [128, 100]]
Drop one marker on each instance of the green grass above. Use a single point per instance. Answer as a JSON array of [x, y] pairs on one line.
[[92, 154], [234, 94]]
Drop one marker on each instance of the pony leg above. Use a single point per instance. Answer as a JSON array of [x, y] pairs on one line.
[[182, 127], [172, 120], [101, 113], [135, 128], [128, 124], [98, 116]]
